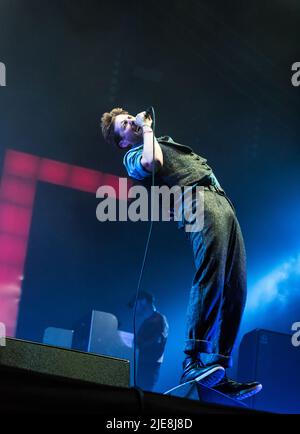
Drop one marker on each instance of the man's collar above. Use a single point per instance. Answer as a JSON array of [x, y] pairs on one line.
[[137, 145]]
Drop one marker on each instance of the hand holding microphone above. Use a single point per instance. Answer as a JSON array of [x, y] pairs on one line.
[[143, 119]]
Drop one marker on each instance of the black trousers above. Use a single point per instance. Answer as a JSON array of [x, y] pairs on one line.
[[218, 293], [147, 374]]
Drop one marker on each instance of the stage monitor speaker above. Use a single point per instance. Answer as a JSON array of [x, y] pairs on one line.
[[97, 332], [65, 363], [270, 358]]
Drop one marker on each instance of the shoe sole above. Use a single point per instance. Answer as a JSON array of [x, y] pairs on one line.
[[209, 378], [248, 393]]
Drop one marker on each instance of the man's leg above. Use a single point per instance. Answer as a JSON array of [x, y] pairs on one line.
[[234, 297], [234, 293], [217, 296], [210, 247]]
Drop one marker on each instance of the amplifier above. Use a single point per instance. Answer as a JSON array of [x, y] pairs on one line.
[[270, 357]]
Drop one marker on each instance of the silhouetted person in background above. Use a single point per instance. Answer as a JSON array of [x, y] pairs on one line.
[[151, 340]]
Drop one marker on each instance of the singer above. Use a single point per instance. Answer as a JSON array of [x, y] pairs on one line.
[[218, 292]]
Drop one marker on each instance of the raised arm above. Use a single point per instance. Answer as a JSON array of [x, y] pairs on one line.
[[147, 156]]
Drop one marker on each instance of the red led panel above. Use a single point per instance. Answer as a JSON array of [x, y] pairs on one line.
[[15, 219], [9, 311], [85, 179], [13, 249], [17, 190], [21, 164], [54, 172], [10, 275]]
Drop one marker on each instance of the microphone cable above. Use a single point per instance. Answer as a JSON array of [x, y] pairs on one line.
[[145, 252]]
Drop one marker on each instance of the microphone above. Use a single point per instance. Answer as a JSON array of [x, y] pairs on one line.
[[149, 112]]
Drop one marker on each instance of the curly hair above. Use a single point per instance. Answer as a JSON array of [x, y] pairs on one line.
[[108, 125]]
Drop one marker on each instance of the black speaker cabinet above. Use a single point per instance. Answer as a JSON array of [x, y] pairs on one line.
[[64, 362], [270, 357]]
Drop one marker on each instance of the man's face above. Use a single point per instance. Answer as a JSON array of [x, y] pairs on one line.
[[127, 129], [141, 306]]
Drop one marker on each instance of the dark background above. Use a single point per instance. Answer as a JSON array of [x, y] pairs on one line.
[[219, 77]]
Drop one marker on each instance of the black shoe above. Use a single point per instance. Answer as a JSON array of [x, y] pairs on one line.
[[195, 370], [237, 390]]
